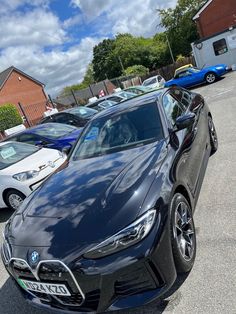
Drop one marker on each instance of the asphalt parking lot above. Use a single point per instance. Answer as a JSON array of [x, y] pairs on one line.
[[211, 285]]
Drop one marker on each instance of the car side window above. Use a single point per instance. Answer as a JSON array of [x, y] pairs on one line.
[[66, 118], [183, 74], [115, 98], [172, 108], [183, 96], [28, 138]]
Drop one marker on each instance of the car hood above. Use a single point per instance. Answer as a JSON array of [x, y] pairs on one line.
[[72, 136], [35, 161], [87, 201]]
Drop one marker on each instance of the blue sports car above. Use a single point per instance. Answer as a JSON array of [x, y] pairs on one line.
[[51, 135], [193, 76]]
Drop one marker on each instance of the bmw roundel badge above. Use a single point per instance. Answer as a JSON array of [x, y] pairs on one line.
[[34, 257]]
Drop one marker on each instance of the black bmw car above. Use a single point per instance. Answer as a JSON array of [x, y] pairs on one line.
[[114, 227]]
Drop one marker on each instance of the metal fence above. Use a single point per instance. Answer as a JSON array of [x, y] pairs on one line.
[[81, 97], [33, 113]]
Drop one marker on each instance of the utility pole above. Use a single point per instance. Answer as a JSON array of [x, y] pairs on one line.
[[122, 66], [171, 53]]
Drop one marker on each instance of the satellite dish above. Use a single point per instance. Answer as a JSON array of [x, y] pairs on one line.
[[199, 46]]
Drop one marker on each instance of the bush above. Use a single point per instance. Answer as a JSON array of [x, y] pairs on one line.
[[180, 58], [9, 117], [136, 70]]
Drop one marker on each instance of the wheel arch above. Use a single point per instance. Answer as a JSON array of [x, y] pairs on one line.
[[209, 72], [4, 193], [182, 190]]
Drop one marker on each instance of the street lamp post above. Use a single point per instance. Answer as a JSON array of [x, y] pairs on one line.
[[171, 53]]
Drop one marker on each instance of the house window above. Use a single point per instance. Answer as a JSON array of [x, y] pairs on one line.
[[220, 47]]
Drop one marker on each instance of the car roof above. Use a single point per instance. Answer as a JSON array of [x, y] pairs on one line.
[[152, 77], [139, 100], [33, 128]]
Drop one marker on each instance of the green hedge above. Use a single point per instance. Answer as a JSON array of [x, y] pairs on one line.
[[9, 117]]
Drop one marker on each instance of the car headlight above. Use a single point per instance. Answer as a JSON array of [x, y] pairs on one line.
[[23, 176], [124, 238]]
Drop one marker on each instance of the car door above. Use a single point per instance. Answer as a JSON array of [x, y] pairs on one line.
[[184, 79], [190, 151]]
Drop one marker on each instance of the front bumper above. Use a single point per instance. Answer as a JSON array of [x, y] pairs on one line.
[[127, 279]]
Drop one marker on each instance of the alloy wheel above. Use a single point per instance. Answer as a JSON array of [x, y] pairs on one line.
[[213, 134], [210, 78], [184, 231], [15, 201]]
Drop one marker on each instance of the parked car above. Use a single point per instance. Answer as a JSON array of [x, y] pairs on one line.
[[105, 104], [116, 97], [193, 76], [23, 168], [51, 135], [184, 67], [113, 228], [154, 81], [77, 116], [138, 89]]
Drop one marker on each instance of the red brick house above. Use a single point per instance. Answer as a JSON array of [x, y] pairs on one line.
[[215, 16], [19, 87]]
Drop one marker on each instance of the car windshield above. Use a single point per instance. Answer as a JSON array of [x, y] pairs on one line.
[[11, 153], [150, 81], [194, 70], [83, 112], [126, 95], [107, 104], [55, 130], [119, 131]]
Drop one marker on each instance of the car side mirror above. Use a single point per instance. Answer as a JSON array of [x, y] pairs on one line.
[[185, 121], [66, 150]]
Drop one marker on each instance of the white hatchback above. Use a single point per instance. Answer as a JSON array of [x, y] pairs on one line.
[[154, 82], [23, 168]]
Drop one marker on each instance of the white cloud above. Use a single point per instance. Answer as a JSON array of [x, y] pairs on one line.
[[137, 17], [72, 21], [10, 5], [36, 41], [37, 27], [57, 68]]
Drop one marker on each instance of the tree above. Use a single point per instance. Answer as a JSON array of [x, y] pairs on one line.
[[89, 75], [136, 70], [112, 56], [105, 63], [179, 26], [9, 117]]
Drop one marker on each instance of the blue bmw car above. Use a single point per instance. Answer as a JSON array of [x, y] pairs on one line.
[[193, 76], [51, 135]]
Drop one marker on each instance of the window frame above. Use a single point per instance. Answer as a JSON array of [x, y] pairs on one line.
[[168, 122], [223, 47]]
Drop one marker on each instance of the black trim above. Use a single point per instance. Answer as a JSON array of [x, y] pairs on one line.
[[32, 185]]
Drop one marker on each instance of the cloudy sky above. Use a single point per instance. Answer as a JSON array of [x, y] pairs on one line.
[[52, 40]]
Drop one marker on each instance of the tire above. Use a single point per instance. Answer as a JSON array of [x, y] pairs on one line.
[[183, 236], [213, 136], [14, 199], [210, 78]]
